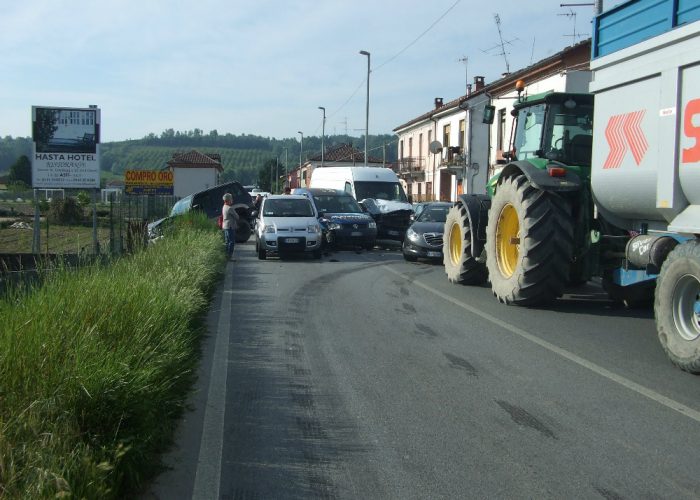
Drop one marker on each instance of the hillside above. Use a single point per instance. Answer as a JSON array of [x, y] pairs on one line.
[[242, 155]]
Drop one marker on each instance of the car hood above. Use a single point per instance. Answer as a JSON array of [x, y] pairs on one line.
[[290, 222], [376, 206], [351, 217], [428, 227]]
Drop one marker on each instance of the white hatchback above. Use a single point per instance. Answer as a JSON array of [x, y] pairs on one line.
[[287, 224]]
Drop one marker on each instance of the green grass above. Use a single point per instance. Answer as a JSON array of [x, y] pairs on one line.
[[95, 365]]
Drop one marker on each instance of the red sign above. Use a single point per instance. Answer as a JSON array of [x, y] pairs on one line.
[[624, 132]]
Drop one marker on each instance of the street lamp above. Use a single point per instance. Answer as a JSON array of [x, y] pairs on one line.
[[365, 53], [323, 131], [301, 146], [286, 174]]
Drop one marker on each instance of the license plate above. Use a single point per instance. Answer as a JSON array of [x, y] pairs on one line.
[[393, 233], [291, 240], [434, 254], [356, 233]]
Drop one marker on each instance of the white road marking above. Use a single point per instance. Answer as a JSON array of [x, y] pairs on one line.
[[625, 382], [208, 476]]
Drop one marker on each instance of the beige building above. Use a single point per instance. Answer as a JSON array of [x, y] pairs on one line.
[[449, 150]]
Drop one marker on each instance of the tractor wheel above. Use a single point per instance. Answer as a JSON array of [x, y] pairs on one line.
[[529, 243], [243, 231], [677, 306], [262, 253], [460, 265]]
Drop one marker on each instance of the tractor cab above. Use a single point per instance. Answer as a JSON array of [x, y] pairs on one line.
[[555, 127]]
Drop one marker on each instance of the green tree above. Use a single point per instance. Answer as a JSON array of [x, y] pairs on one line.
[[21, 171], [45, 126]]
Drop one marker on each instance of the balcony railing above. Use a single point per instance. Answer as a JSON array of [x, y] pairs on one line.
[[411, 167], [452, 156]]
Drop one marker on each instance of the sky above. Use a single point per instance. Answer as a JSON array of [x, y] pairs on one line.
[[263, 67]]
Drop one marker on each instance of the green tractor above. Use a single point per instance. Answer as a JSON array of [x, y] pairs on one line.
[[534, 232]]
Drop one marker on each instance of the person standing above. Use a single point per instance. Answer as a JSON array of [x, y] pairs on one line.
[[230, 221]]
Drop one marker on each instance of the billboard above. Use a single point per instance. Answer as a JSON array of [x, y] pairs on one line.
[[66, 150], [148, 182]]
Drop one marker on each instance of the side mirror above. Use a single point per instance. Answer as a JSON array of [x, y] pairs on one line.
[[412, 217], [254, 213]]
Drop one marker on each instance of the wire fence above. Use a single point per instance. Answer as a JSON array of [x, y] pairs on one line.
[[110, 227]]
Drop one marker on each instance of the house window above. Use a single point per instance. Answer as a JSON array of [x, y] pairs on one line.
[[410, 147], [500, 140], [462, 130], [446, 135], [429, 190], [401, 149], [420, 145]]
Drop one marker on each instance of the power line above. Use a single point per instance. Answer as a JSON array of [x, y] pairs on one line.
[[362, 83]]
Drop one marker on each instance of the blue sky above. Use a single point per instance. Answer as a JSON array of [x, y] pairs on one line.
[[261, 67]]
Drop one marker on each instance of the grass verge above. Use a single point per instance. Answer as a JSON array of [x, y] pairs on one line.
[[95, 365]]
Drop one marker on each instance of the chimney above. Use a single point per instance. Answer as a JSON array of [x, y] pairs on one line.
[[438, 102], [469, 89], [478, 83]]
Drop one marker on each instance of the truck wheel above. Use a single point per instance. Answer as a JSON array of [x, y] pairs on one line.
[[529, 243], [460, 265], [677, 306], [243, 231]]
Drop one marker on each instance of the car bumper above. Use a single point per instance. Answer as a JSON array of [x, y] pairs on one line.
[[290, 244], [352, 237], [414, 250]]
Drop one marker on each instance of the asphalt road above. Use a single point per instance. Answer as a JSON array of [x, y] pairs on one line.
[[364, 376]]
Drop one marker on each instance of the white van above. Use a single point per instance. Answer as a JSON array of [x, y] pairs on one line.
[[377, 189]]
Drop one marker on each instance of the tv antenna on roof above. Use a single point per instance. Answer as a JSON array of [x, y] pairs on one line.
[[502, 43], [572, 15], [465, 60]]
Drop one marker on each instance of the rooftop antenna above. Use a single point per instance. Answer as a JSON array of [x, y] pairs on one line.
[[572, 15], [502, 43], [465, 60]]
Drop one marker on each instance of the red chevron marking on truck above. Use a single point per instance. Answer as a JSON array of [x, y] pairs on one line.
[[624, 132]]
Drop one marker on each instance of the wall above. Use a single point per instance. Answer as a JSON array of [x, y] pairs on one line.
[[191, 180]]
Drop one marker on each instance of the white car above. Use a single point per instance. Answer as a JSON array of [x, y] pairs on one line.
[[287, 224]]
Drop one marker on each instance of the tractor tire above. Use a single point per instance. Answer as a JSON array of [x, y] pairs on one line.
[[460, 265], [529, 243], [262, 253], [243, 231], [677, 306]]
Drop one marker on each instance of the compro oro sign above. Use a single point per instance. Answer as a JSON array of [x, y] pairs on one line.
[[66, 151], [148, 182]]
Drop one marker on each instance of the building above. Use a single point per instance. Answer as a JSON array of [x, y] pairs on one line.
[[341, 155], [450, 150], [194, 171]]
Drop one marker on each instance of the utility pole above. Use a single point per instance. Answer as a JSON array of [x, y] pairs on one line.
[[465, 60]]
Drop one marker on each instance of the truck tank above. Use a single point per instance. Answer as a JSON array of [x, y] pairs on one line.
[[646, 138]]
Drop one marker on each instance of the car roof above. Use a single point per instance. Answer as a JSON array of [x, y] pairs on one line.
[[286, 197]]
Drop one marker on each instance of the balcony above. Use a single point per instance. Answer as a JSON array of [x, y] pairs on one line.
[[453, 160], [411, 169]]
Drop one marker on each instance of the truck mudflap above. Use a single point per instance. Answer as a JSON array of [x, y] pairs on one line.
[[540, 177]]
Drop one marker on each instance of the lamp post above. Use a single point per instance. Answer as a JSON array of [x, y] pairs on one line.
[[323, 132], [301, 152], [277, 174], [286, 174], [365, 53]]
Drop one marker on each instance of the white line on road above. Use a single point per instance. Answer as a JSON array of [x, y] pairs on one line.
[[640, 389], [208, 476]]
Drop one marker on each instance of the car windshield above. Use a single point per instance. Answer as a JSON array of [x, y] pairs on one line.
[[182, 206], [337, 204], [433, 214], [288, 208], [380, 190]]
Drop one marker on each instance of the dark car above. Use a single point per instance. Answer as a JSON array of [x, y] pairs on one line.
[[210, 202], [343, 222], [424, 237]]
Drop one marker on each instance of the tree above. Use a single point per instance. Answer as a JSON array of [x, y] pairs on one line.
[[45, 126], [21, 171]]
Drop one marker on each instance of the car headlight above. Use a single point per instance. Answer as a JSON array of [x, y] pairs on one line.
[[372, 225], [313, 228], [412, 235], [334, 225], [269, 228]]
